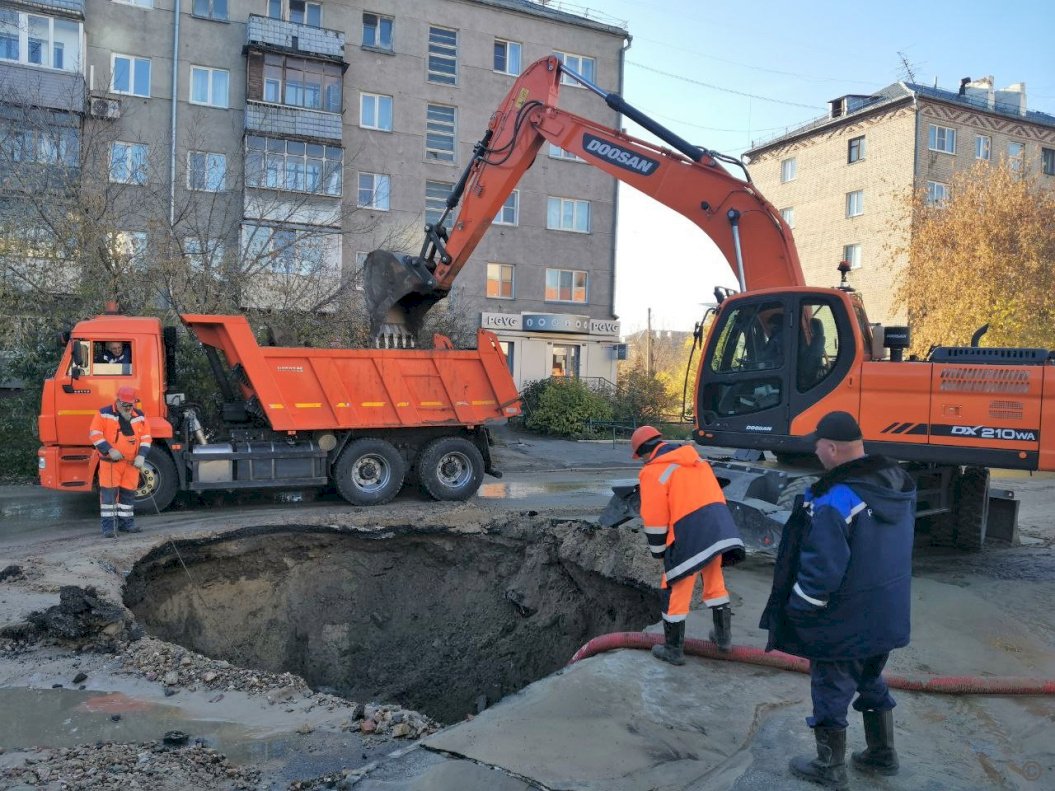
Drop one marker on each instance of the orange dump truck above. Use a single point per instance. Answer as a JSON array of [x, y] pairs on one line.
[[363, 420]]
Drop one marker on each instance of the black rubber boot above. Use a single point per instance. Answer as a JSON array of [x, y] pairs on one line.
[[829, 767], [722, 633], [880, 757], [674, 637]]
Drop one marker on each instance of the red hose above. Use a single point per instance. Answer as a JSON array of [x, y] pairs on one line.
[[946, 685]]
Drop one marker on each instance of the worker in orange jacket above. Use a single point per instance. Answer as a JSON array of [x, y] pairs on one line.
[[120, 433], [688, 524]]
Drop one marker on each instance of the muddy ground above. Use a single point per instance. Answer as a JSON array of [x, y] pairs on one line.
[[408, 619]]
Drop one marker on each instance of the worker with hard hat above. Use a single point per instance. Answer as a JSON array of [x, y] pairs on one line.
[[120, 433], [689, 526]]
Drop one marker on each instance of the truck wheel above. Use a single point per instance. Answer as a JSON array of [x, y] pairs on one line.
[[450, 468], [972, 508], [369, 472], [157, 482], [786, 498]]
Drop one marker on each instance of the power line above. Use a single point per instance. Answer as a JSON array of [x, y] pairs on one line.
[[722, 89]]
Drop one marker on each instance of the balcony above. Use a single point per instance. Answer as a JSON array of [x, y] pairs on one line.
[[66, 7], [33, 87], [294, 38], [277, 120]]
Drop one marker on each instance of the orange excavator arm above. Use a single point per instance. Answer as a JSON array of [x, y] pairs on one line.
[[745, 226]]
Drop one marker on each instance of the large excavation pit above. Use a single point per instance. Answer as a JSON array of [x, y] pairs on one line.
[[434, 619]]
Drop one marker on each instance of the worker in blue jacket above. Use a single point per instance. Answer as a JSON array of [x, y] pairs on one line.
[[841, 596]]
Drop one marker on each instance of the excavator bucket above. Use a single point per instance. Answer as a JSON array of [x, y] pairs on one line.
[[400, 290]]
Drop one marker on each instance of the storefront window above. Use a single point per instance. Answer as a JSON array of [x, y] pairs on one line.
[[565, 361]]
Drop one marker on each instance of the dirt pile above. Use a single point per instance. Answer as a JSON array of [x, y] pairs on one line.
[[83, 617]]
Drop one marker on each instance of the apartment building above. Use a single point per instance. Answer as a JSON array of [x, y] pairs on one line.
[[841, 181], [285, 139]]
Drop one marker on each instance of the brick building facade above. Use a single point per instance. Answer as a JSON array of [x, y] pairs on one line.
[[842, 182]]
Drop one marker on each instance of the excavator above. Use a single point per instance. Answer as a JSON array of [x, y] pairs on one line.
[[778, 354]]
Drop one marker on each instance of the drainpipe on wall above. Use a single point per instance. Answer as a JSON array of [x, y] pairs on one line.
[[175, 91], [615, 186]]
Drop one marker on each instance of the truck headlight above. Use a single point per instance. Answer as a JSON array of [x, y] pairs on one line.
[[41, 463]]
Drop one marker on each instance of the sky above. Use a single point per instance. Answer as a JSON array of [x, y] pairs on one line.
[[725, 76]]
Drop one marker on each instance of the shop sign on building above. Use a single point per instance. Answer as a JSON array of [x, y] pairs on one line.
[[549, 322]]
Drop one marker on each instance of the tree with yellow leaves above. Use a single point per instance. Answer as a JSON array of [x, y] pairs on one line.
[[986, 255]]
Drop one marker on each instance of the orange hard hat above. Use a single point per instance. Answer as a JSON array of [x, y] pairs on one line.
[[126, 394], [641, 435]]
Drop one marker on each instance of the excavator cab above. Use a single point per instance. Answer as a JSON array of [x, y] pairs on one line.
[[770, 356]]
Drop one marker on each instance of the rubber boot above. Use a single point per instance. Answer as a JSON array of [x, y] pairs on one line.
[[722, 633], [880, 757], [829, 767], [674, 637]]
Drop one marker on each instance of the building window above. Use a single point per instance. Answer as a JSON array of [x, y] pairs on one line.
[[208, 86], [359, 271], [373, 191], [580, 64], [38, 40], [375, 111], [210, 9], [556, 152], [1047, 161], [507, 57], [509, 350], [942, 138], [296, 11], [205, 171], [509, 214], [204, 255], [436, 193], [983, 147], [296, 82], [855, 149], [937, 193], [377, 31], [293, 165], [788, 215], [568, 214], [565, 361], [42, 146], [788, 169], [1016, 155], [128, 163], [284, 251], [443, 56], [566, 285], [130, 75], [439, 133], [852, 255], [129, 248], [855, 203], [500, 281]]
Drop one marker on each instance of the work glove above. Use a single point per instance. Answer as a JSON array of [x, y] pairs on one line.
[[137, 462], [115, 454]]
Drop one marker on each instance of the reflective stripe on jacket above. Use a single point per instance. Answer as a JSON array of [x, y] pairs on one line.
[[106, 432], [687, 522]]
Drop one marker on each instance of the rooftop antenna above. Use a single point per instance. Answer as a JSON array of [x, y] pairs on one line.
[[906, 66]]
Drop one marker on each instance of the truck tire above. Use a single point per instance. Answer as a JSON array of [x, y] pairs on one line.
[[158, 483], [450, 468], [972, 508], [369, 472], [795, 487]]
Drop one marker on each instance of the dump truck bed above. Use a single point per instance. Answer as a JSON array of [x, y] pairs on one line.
[[305, 389]]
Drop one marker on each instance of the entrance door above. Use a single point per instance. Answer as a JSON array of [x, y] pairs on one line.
[[565, 361]]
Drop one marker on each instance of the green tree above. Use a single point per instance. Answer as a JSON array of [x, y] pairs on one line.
[[985, 255]]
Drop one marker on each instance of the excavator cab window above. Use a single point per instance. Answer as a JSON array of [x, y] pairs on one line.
[[818, 345], [751, 339]]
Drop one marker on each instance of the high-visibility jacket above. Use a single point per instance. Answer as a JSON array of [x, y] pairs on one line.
[[110, 430], [687, 522]]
